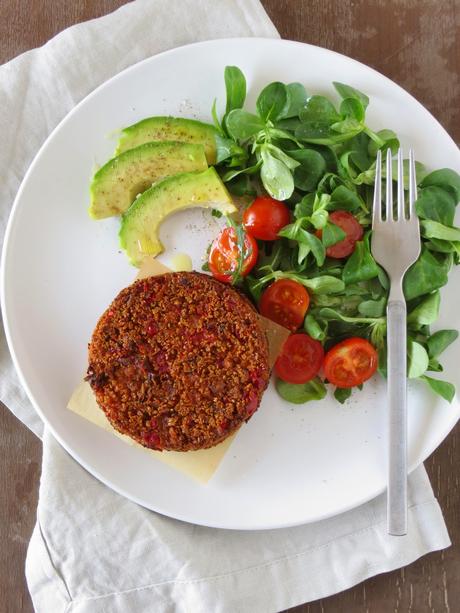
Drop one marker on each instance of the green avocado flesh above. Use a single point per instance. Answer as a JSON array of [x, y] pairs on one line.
[[170, 128], [116, 185], [140, 224]]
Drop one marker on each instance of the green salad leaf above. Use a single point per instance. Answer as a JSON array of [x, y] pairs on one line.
[[360, 266], [341, 394], [436, 204], [426, 312], [235, 85], [272, 101], [418, 359], [439, 341], [310, 169], [442, 388], [241, 125], [348, 92], [318, 109], [345, 199], [445, 178], [299, 393], [296, 99], [276, 176], [314, 328], [332, 234], [426, 275], [434, 229]]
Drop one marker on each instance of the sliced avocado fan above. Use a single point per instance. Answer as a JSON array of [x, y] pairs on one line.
[[170, 129], [115, 186], [140, 224]]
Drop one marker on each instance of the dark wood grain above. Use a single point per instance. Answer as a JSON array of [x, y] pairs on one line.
[[20, 458], [414, 42]]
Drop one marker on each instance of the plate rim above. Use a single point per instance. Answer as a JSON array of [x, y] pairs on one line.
[[449, 424]]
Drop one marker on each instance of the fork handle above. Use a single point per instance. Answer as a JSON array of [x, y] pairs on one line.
[[397, 430]]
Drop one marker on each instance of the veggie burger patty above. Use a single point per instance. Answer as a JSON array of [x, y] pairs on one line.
[[178, 361]]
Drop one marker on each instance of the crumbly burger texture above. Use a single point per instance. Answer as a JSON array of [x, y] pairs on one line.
[[178, 361]]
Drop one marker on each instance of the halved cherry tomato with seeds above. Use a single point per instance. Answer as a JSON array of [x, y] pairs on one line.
[[285, 302], [225, 253], [350, 362], [352, 229], [265, 217], [300, 359]]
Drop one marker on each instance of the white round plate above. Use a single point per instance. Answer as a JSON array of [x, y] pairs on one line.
[[290, 464]]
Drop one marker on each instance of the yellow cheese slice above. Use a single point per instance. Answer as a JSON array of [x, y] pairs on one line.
[[199, 465]]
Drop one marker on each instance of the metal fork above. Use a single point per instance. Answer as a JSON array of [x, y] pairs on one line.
[[396, 246]]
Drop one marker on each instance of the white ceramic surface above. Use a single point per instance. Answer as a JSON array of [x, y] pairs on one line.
[[290, 464]]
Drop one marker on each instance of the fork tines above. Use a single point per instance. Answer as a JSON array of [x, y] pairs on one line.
[[401, 211]]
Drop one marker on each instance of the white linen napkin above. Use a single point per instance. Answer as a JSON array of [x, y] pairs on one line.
[[91, 549]]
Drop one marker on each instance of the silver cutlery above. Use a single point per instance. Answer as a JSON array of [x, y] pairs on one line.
[[396, 246]]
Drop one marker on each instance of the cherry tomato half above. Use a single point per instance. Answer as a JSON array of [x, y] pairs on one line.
[[265, 217], [300, 359], [224, 255], [350, 362], [352, 229], [285, 302]]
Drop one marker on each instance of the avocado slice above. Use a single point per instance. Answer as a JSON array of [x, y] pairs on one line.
[[115, 186], [139, 225], [171, 129]]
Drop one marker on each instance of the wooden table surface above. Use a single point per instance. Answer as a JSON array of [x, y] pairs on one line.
[[415, 43]]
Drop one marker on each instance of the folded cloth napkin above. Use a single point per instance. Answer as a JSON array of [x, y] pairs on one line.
[[91, 549]]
